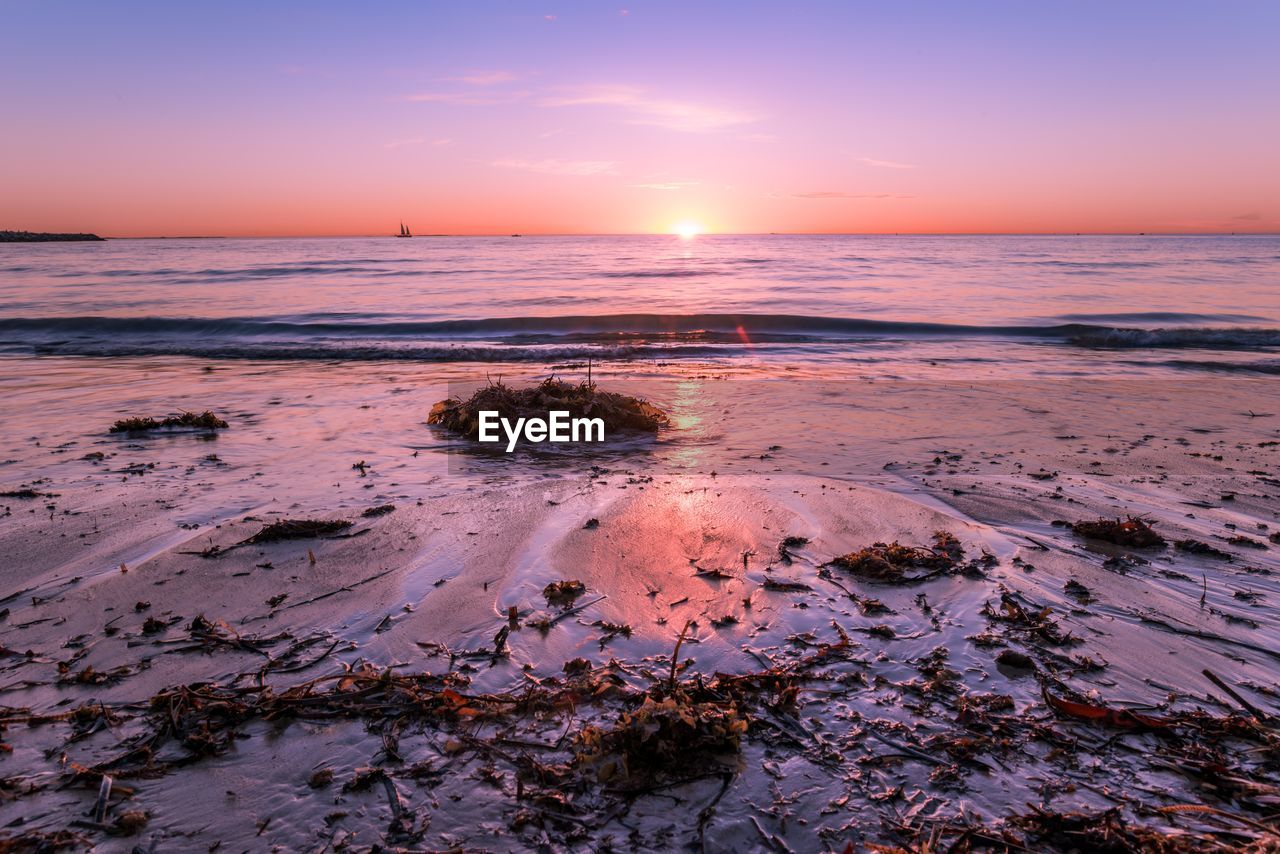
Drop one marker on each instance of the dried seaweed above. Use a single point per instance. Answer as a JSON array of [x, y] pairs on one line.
[[203, 421], [661, 736], [583, 400], [296, 529], [894, 563], [563, 593], [1198, 547], [1105, 831], [1035, 622], [42, 842], [1132, 532]]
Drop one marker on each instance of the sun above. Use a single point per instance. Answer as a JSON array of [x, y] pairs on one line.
[[687, 230]]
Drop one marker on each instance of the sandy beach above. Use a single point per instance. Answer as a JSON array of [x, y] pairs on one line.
[[406, 680]]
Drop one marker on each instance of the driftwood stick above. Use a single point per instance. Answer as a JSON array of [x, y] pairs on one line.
[[1245, 704]]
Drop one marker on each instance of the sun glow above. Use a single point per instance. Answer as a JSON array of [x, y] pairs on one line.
[[687, 230]]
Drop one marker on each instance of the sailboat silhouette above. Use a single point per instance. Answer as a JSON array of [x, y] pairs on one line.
[[404, 232]]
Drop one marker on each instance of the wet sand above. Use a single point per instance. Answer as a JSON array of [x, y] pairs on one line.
[[874, 712]]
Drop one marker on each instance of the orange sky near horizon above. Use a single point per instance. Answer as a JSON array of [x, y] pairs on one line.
[[320, 119]]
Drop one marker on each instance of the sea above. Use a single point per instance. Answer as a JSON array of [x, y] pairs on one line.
[[898, 305]]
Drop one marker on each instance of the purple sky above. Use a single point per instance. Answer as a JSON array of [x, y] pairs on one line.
[[340, 118]]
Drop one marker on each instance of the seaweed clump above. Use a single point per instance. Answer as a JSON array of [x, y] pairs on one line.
[[581, 400], [660, 736], [203, 421], [1199, 547], [563, 593], [1133, 532], [894, 563], [1103, 831], [297, 529]]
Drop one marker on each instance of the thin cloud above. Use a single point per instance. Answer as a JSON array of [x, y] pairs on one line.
[[470, 99], [836, 194], [885, 164], [640, 108], [665, 185], [401, 143], [484, 78], [561, 167]]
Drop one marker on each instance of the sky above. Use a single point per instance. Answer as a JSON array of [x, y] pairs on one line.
[[313, 118]]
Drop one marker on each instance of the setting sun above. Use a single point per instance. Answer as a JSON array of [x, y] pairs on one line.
[[687, 230]]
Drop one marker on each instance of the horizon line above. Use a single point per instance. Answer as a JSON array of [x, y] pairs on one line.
[[509, 235]]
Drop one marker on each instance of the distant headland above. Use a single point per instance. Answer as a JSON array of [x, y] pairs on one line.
[[42, 237]]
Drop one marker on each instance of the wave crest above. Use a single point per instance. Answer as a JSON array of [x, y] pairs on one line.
[[604, 336]]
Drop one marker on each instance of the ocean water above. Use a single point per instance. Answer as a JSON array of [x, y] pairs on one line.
[[1018, 304]]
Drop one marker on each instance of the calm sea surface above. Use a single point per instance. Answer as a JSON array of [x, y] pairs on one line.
[[1175, 302]]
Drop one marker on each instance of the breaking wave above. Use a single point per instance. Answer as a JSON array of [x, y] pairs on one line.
[[560, 337]]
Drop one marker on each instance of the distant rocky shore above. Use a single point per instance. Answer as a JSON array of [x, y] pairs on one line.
[[42, 237]]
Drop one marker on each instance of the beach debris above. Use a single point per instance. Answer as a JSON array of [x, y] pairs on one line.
[[1122, 563], [1092, 713], [581, 400], [22, 493], [1133, 532], [1078, 591], [661, 737], [894, 563], [779, 586], [203, 421], [1100, 831], [380, 510], [500, 641], [1235, 695], [788, 544], [591, 524], [281, 530], [129, 823], [296, 529], [1199, 547], [563, 593], [39, 841], [611, 631], [99, 811], [1035, 622], [675, 655]]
